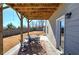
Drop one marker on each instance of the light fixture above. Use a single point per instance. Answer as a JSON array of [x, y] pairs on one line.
[[68, 15]]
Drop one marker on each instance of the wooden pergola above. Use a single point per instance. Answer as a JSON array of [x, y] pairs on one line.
[[36, 10], [32, 11]]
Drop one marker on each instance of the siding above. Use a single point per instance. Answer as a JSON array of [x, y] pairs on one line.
[[52, 26], [58, 33], [51, 32], [72, 30]]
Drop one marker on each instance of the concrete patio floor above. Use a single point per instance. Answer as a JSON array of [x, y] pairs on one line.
[[50, 49], [45, 43]]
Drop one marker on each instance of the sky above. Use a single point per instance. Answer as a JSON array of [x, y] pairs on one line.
[[10, 16]]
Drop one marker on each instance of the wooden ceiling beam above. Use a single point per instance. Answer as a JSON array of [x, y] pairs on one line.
[[35, 4], [39, 16], [43, 15], [25, 10], [19, 7], [36, 12]]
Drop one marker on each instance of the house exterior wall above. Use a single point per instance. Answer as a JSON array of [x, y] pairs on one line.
[[72, 30], [71, 40], [51, 33], [51, 25], [58, 33]]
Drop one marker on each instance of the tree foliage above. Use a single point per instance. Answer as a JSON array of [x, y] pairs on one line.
[[10, 26]]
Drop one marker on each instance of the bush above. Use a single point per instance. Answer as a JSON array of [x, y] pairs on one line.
[[33, 29]]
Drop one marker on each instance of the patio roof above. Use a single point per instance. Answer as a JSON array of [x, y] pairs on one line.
[[37, 11]]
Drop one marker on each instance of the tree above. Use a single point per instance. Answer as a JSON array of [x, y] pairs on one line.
[[10, 26], [19, 27]]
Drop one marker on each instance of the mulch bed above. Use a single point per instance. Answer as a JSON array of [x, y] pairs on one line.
[[32, 48]]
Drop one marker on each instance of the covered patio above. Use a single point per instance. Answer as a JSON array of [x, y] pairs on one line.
[[34, 11]]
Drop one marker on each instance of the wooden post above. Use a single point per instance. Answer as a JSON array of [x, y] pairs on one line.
[[21, 29], [28, 27], [28, 30], [21, 22], [1, 30]]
